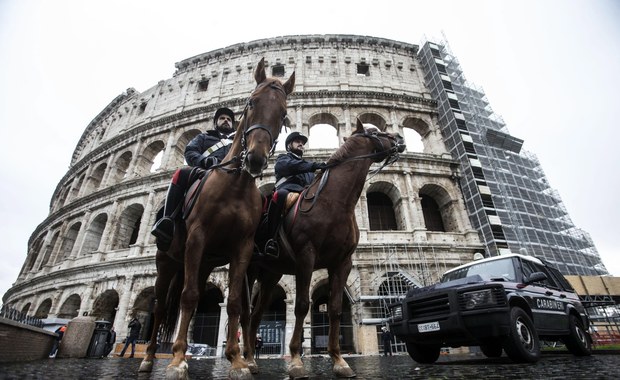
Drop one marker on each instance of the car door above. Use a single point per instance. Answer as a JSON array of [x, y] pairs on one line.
[[548, 307]]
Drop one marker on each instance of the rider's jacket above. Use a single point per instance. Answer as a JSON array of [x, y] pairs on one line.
[[293, 173], [199, 148]]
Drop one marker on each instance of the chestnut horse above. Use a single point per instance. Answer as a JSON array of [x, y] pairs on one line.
[[321, 233], [219, 230]]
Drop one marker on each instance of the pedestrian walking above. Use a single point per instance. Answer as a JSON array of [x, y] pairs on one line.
[[257, 346], [61, 332], [134, 331], [386, 338]]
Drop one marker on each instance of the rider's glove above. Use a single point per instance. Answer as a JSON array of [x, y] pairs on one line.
[[319, 166], [208, 162]]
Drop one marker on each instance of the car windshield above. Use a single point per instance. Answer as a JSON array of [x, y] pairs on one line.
[[502, 268]]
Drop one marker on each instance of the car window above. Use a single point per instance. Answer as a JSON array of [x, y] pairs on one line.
[[503, 268], [550, 281], [561, 279]]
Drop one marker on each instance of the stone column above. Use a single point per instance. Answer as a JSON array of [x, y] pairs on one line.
[[169, 151], [79, 240], [135, 158], [145, 226], [123, 316], [110, 168], [108, 232], [221, 332], [87, 302]]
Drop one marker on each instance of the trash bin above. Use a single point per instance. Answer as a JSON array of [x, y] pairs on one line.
[[96, 349]]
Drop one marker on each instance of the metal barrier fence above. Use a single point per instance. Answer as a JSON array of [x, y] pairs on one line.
[[18, 316]]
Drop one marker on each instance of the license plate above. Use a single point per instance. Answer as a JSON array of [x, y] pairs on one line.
[[427, 327]]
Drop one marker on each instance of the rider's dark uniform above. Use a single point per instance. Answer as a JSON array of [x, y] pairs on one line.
[[202, 152], [293, 173]]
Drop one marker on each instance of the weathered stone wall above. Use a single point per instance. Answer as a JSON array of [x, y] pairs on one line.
[[21, 342]]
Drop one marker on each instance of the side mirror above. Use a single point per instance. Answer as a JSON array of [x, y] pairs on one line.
[[536, 277]]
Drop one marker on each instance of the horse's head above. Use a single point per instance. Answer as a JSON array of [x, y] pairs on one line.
[[385, 146], [263, 118]]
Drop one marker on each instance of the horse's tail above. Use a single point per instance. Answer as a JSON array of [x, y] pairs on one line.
[[173, 301]]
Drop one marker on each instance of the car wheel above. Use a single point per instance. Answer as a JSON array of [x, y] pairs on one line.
[[422, 353], [522, 345], [491, 349], [577, 341]]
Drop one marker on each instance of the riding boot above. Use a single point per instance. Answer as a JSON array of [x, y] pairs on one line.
[[274, 214], [164, 227]]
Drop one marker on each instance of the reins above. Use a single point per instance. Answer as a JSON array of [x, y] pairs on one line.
[[249, 104], [392, 156]]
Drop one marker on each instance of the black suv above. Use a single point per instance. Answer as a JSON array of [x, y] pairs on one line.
[[508, 302]]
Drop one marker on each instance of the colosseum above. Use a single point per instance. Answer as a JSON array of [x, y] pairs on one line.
[[94, 254]]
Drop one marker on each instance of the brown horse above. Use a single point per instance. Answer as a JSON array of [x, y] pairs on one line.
[[219, 230], [320, 232]]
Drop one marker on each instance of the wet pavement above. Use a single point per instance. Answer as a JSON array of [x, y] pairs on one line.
[[557, 366]]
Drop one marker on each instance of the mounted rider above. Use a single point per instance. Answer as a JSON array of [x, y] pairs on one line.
[[293, 174], [204, 151]]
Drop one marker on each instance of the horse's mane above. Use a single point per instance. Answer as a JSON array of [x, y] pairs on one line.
[[344, 151]]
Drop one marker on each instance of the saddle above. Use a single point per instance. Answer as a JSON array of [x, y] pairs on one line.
[[197, 178]]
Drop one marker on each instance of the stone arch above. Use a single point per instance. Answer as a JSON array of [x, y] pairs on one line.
[[143, 308], [438, 208], [374, 119], [95, 178], [320, 320], [146, 159], [70, 307], [105, 306], [68, 242], [92, 237], [26, 308], [177, 155], [120, 167], [417, 134], [128, 226], [49, 249], [206, 319], [35, 251], [384, 203], [323, 131], [75, 190], [62, 197], [44, 309]]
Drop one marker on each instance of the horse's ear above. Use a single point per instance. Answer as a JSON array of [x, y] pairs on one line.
[[289, 84], [359, 127], [259, 74]]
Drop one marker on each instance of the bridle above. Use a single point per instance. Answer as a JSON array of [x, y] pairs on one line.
[[391, 155], [247, 129]]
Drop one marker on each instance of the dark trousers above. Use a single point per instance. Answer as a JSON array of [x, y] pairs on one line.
[[131, 340]]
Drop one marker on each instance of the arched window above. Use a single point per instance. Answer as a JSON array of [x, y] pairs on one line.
[[432, 215], [128, 226], [94, 234], [381, 215], [323, 136]]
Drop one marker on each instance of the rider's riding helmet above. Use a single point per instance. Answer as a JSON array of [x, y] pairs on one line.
[[294, 136], [225, 111]]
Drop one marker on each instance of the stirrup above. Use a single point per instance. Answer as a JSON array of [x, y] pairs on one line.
[[163, 231], [272, 248]]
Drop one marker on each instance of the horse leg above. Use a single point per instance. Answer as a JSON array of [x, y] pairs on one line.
[[296, 368], [267, 282], [337, 282], [244, 322], [166, 269], [194, 275], [236, 274]]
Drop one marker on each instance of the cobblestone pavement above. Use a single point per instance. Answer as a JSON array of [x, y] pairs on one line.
[[562, 366]]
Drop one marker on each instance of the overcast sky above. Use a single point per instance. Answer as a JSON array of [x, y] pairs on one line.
[[549, 68]]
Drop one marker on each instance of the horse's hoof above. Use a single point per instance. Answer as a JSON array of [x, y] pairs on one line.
[[297, 373], [342, 371], [239, 374], [146, 366], [179, 372], [253, 368]]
